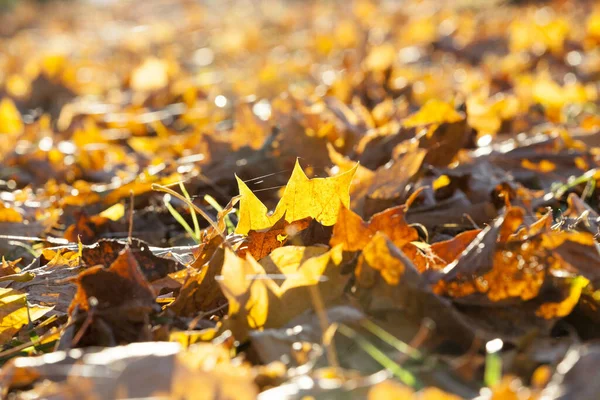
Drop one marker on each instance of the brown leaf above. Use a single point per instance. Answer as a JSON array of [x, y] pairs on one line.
[[106, 251], [89, 229], [201, 292], [123, 301], [446, 132], [388, 280], [260, 243], [51, 285]]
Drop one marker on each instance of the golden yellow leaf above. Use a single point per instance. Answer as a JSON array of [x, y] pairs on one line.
[[318, 198], [380, 58], [18, 85], [593, 25], [9, 214], [531, 34], [187, 338], [207, 371], [302, 266], [10, 118], [433, 112], [554, 96], [440, 182], [390, 390], [14, 313], [394, 390], [378, 256], [543, 166], [142, 184], [247, 294], [270, 293], [486, 114], [114, 212]]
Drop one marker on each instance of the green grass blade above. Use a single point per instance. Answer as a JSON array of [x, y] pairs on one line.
[[493, 363], [405, 376], [392, 340], [178, 217], [192, 211]]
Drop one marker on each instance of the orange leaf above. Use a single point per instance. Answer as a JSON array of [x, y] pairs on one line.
[[354, 234], [449, 250], [259, 244]]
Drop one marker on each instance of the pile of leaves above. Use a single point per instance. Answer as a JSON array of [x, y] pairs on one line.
[[283, 199]]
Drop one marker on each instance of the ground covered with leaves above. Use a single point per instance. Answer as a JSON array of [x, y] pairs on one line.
[[298, 199]]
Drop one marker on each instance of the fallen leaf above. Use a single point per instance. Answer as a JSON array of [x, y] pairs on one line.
[[201, 293], [318, 198], [118, 300], [106, 251], [50, 285], [269, 294], [259, 244], [354, 234], [15, 313], [140, 370], [12, 122], [394, 284]]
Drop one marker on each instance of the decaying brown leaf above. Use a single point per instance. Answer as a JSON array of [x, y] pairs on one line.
[[105, 252], [117, 302]]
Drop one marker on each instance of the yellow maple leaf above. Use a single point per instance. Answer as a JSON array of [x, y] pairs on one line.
[[246, 295], [378, 255], [318, 198], [270, 293], [302, 266]]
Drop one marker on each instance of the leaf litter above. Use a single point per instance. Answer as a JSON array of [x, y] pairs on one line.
[[280, 199]]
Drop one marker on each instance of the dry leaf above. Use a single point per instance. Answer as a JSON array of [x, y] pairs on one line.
[[317, 198]]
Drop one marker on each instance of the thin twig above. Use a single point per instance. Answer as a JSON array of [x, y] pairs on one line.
[[84, 327], [471, 220]]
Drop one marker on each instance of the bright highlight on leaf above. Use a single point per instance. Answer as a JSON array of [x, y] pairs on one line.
[[318, 198]]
